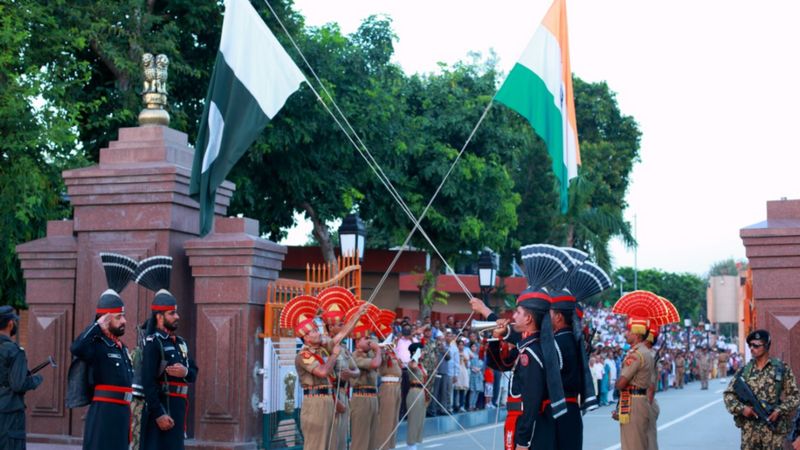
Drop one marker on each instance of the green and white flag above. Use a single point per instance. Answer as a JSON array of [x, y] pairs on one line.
[[253, 76]]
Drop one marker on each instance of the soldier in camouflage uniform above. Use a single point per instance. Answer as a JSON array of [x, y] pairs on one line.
[[772, 381]]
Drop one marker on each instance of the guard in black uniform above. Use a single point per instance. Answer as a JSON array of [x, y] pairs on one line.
[[111, 374], [569, 427], [167, 368], [528, 394], [15, 380]]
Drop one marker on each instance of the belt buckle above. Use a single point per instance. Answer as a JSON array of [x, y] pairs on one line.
[[128, 396]]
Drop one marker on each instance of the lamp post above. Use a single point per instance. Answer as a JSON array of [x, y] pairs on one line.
[[487, 274], [708, 329], [621, 282], [688, 324], [352, 235]]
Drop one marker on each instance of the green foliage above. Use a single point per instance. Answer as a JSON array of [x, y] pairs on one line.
[[38, 138], [724, 267], [685, 290]]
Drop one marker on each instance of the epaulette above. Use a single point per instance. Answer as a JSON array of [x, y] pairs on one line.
[[150, 338]]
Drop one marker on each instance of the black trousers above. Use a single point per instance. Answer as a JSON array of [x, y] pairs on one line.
[[12, 430], [108, 427], [155, 439]]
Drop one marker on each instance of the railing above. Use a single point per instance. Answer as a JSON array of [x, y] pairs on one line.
[[345, 272]]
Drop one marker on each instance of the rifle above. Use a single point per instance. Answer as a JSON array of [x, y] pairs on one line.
[[746, 395], [50, 362]]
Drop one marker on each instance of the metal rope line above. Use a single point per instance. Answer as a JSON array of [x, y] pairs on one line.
[[376, 168]]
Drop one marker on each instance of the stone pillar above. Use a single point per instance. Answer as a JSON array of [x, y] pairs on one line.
[[773, 251], [135, 202], [231, 268], [49, 265]]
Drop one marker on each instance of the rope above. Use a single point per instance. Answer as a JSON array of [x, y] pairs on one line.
[[378, 171], [376, 168]]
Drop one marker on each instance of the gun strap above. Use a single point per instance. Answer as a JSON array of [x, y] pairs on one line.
[[779, 372], [164, 358]]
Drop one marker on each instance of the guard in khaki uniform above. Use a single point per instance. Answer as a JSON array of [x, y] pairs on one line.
[[655, 410], [415, 399], [704, 367], [334, 303], [314, 372], [680, 370], [633, 411], [722, 364], [364, 404], [389, 390]]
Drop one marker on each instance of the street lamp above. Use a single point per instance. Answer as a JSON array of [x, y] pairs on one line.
[[688, 324], [621, 282], [487, 274], [352, 235], [708, 328]]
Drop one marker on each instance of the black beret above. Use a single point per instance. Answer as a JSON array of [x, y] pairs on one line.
[[758, 335], [7, 312]]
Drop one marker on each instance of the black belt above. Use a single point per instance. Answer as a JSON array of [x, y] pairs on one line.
[[365, 390], [639, 391], [416, 385], [317, 391], [113, 394], [514, 406]]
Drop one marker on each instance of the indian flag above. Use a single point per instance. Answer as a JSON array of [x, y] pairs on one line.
[[253, 76], [539, 87]]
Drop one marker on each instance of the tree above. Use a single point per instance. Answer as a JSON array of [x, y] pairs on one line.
[[476, 207], [38, 139], [724, 267]]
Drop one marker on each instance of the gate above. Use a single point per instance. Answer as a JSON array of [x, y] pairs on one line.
[[282, 394]]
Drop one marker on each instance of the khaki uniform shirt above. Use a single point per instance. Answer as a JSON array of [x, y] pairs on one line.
[[368, 377], [305, 362], [638, 366]]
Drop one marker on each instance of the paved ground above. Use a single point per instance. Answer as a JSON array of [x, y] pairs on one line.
[[690, 419]]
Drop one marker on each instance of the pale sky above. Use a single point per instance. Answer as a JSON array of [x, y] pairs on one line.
[[713, 84]]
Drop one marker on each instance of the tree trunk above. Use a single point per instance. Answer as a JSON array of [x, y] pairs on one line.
[[322, 235], [570, 235], [427, 287]]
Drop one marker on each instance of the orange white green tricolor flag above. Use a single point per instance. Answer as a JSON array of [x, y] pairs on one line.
[[539, 87]]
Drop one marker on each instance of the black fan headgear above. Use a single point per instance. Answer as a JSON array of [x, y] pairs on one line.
[[544, 263], [154, 274], [588, 280], [563, 298], [119, 270]]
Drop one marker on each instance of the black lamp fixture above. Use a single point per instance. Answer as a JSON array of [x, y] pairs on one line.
[[688, 324], [487, 274], [352, 236]]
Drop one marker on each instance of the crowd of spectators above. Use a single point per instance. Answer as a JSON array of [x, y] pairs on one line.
[[455, 356]]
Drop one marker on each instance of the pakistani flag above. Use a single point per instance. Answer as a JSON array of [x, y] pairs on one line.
[[539, 87], [253, 76]]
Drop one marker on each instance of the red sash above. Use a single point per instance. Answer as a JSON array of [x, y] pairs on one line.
[[511, 424]]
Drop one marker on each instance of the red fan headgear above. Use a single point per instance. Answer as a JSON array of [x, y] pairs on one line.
[[299, 314], [335, 302]]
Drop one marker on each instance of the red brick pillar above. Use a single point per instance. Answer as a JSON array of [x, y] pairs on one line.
[[49, 266], [231, 268], [773, 251]]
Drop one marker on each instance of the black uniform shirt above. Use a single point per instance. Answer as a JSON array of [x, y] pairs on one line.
[[571, 376], [527, 380], [14, 377], [153, 368], [109, 363]]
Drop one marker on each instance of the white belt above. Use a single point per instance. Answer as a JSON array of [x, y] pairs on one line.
[[390, 379]]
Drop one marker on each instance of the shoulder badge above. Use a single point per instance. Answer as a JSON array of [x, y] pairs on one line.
[[523, 359], [150, 338]]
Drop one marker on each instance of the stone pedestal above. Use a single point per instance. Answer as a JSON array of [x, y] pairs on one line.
[[773, 251], [136, 202], [231, 269]]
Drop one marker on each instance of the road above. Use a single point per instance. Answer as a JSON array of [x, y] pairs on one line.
[[690, 419]]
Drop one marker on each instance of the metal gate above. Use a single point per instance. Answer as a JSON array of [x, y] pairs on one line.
[[282, 394]]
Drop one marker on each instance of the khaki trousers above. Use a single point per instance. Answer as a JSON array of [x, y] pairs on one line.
[[633, 435], [415, 399], [341, 423], [652, 429], [389, 407], [364, 420], [316, 418]]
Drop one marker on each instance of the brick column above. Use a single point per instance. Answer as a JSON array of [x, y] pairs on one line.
[[773, 251], [231, 268]]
